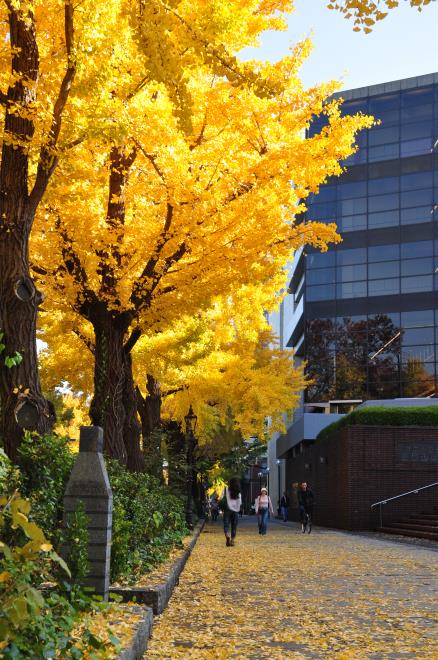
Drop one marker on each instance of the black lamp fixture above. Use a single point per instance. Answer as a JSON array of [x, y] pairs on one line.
[[191, 420]]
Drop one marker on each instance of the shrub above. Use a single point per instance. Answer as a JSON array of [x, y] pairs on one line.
[[74, 537], [9, 475], [147, 522], [45, 464], [382, 416], [33, 625]]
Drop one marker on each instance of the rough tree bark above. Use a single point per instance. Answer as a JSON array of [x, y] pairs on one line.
[[107, 409], [149, 409], [22, 402], [131, 427]]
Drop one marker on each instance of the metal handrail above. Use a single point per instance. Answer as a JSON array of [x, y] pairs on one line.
[[396, 497]]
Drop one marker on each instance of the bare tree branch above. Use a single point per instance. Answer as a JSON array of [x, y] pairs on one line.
[[132, 340], [88, 343]]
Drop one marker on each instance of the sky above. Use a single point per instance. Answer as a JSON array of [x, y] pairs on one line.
[[404, 44]]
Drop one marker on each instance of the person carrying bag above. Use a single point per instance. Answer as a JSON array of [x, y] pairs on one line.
[[230, 504]]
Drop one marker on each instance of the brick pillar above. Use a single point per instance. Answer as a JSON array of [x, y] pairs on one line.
[[90, 485]]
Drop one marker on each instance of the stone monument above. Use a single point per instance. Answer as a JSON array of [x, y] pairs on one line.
[[90, 485]]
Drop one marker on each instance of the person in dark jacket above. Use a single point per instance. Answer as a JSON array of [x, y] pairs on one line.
[[305, 504], [284, 506]]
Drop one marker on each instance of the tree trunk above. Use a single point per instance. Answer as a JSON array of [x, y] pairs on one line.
[[149, 409], [176, 456], [21, 400], [107, 409], [22, 403], [131, 428]]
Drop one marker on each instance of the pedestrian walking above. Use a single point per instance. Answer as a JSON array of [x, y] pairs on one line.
[[230, 504], [284, 506], [305, 506], [263, 507]]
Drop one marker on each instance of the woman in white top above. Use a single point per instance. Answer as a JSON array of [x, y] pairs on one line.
[[233, 502], [263, 506]]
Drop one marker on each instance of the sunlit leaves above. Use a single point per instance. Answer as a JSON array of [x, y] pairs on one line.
[[365, 13]]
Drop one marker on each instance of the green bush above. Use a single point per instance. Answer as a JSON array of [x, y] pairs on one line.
[[382, 416], [9, 475], [75, 537], [45, 464], [147, 522], [33, 624]]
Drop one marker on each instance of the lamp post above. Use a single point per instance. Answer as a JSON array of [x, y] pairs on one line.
[[267, 479], [260, 475], [190, 422], [279, 481]]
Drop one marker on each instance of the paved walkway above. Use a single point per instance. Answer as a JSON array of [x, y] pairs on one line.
[[288, 595]]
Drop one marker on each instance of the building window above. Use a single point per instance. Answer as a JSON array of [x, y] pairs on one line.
[[384, 269], [416, 249], [354, 256], [351, 273], [422, 197], [415, 147], [384, 252], [352, 206], [351, 289], [416, 215], [417, 266], [320, 276], [387, 184], [414, 284], [315, 293], [383, 287], [383, 152], [385, 219], [416, 336], [383, 203], [352, 222]]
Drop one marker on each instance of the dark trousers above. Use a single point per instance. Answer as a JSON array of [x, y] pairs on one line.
[[305, 509], [230, 519]]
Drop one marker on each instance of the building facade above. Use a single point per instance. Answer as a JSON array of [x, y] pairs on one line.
[[364, 315]]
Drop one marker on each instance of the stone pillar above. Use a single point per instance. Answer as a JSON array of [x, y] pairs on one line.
[[90, 485]]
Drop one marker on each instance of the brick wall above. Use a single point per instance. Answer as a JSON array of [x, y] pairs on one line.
[[359, 465]]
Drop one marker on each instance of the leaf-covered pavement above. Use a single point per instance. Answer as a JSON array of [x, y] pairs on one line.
[[288, 595]]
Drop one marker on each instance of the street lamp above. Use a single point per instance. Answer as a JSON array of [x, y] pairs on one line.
[[260, 475], [190, 422], [279, 481]]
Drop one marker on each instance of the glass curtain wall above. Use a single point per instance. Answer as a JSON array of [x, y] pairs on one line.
[[370, 303]]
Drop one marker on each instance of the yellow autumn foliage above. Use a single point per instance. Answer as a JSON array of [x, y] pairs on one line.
[[187, 185], [225, 363], [366, 13]]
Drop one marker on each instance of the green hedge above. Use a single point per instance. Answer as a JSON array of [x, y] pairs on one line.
[[382, 416]]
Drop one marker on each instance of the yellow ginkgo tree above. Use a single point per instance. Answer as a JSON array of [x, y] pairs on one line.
[[135, 235], [62, 81]]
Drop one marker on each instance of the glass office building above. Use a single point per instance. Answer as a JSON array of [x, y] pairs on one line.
[[364, 315]]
